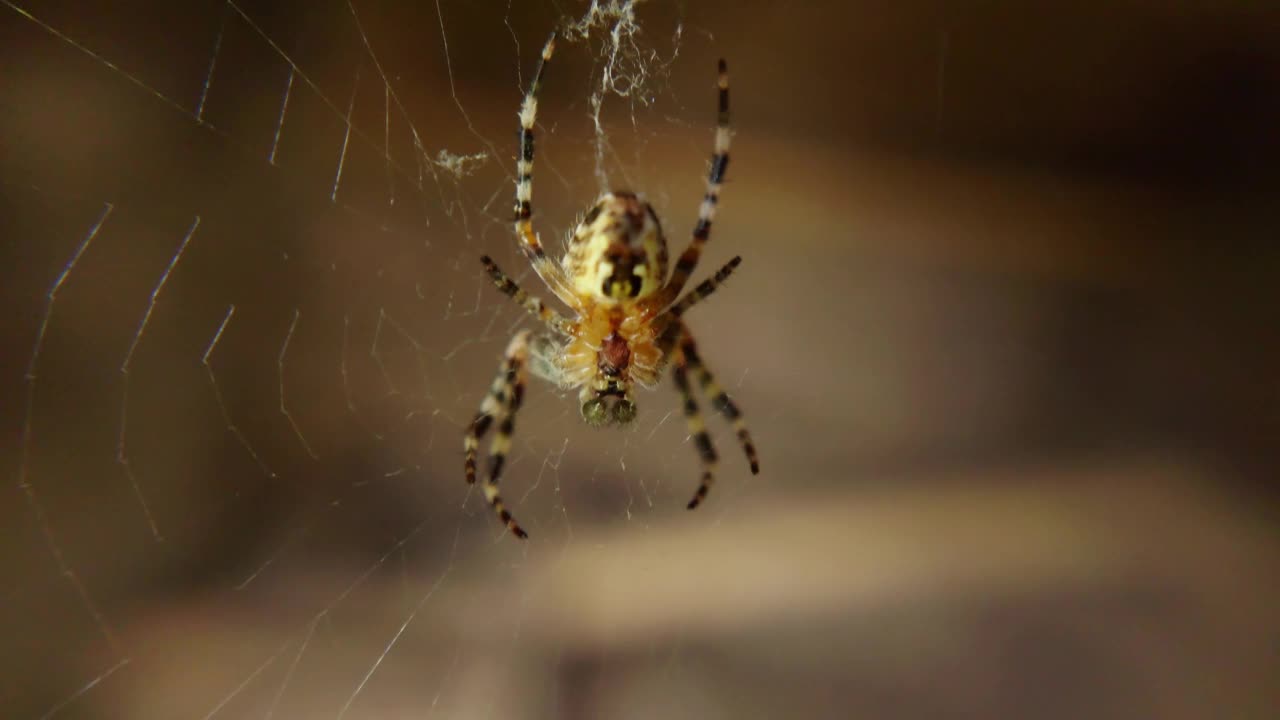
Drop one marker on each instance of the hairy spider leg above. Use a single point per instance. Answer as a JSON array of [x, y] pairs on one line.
[[503, 402], [720, 400], [705, 288], [686, 360], [697, 428], [669, 325], [688, 260], [547, 269], [531, 303]]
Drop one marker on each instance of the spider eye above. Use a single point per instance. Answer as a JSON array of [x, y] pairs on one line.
[[595, 413], [624, 412]]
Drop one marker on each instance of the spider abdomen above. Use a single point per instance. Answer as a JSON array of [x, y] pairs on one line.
[[617, 253]]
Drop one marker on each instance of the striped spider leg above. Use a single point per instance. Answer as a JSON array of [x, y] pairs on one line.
[[507, 392], [688, 260], [502, 402], [546, 268], [686, 360]]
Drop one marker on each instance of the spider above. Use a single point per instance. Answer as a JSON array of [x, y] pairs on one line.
[[627, 323]]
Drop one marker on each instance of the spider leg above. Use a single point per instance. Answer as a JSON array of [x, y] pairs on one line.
[[721, 401], [533, 304], [529, 243], [672, 331], [502, 401], [697, 428], [688, 260], [705, 288]]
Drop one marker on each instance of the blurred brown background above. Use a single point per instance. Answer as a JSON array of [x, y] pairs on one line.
[[1005, 333]]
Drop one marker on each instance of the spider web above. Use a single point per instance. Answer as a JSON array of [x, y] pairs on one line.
[[248, 326]]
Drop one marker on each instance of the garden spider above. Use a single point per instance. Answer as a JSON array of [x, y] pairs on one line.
[[627, 323]]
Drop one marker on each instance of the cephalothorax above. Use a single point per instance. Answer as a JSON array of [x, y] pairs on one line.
[[626, 326]]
